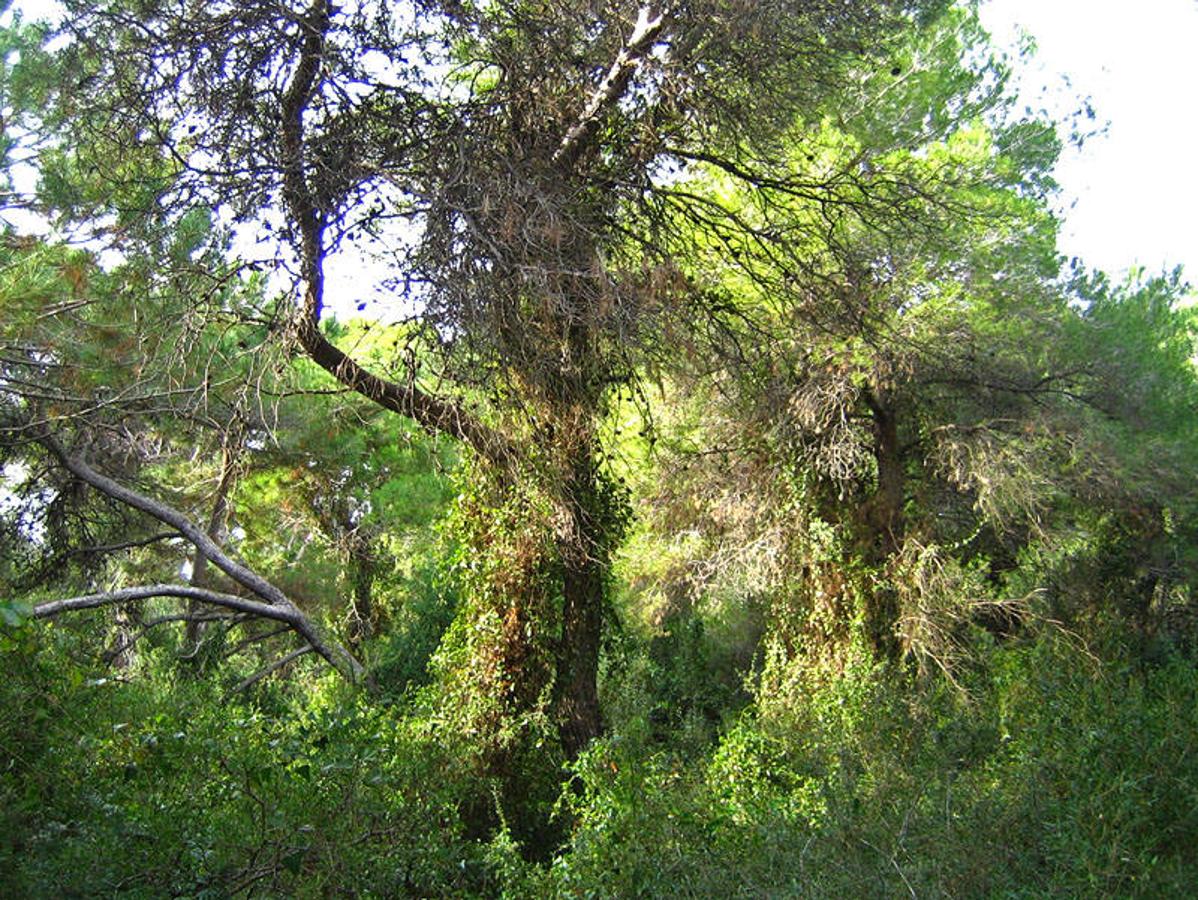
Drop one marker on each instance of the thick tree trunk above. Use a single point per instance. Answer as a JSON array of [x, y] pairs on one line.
[[886, 510], [579, 720], [584, 562]]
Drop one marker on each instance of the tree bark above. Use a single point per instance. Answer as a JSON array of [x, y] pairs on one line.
[[363, 566], [886, 505], [579, 720], [584, 562], [120, 654], [883, 515]]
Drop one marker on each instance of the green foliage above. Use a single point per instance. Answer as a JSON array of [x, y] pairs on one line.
[[1061, 777], [154, 787], [894, 524], [400, 659]]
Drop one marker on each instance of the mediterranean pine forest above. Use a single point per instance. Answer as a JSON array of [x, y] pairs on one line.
[[588, 448]]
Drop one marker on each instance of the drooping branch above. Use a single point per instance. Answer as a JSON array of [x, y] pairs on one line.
[[169, 516], [144, 592], [188, 617], [433, 413], [277, 605]]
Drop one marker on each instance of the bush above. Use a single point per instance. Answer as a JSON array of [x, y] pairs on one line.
[[1052, 774], [1058, 777]]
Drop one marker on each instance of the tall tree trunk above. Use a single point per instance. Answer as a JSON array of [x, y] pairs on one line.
[[584, 559], [886, 505], [363, 563], [579, 720], [121, 655], [883, 516]]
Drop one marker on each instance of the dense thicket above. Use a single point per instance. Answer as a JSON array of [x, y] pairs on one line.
[[714, 483]]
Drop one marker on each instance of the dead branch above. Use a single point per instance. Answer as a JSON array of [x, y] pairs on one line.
[[253, 639], [277, 606], [144, 592], [644, 35], [273, 667], [146, 627], [123, 545]]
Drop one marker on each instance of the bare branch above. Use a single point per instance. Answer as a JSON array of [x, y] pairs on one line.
[[644, 35], [273, 667], [124, 545], [146, 627], [168, 516], [277, 606], [144, 592], [253, 639]]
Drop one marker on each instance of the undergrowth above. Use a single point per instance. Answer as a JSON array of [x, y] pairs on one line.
[[1052, 775]]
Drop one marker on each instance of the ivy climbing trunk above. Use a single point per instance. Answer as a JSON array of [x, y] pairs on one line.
[[584, 560]]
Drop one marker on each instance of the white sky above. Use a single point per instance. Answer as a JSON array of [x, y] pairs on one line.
[[1129, 197]]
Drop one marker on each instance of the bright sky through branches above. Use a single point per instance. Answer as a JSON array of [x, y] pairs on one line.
[[1128, 197]]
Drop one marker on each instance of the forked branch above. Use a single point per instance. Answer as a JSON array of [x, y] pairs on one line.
[[272, 602]]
